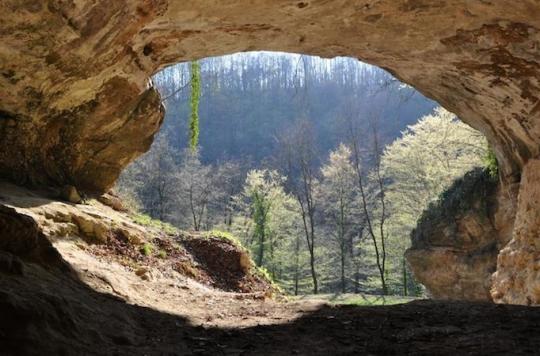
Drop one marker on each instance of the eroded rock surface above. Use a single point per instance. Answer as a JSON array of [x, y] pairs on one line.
[[76, 104], [456, 243], [517, 279]]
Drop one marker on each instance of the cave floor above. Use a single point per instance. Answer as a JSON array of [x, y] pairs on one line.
[[99, 309]]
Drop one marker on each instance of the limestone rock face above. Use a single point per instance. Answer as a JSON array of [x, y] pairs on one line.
[[76, 103], [517, 280], [27, 217], [456, 243]]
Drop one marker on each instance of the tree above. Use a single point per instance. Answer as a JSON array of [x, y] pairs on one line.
[[273, 215], [195, 189], [151, 180], [299, 162], [337, 194], [262, 189], [373, 217], [229, 179]]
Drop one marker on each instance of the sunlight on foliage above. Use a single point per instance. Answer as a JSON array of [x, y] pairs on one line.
[[146, 220], [224, 236]]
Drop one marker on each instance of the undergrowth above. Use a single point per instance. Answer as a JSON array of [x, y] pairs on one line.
[[263, 273], [146, 220], [224, 236], [147, 249]]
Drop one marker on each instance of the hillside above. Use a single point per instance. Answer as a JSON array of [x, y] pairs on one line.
[[250, 99]]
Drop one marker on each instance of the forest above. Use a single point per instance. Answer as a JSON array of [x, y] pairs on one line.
[[320, 168]]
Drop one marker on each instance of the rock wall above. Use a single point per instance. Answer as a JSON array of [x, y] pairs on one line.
[[76, 103], [457, 240], [517, 280]]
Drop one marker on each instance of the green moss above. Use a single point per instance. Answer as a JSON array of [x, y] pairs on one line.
[[195, 97], [146, 220], [162, 254]]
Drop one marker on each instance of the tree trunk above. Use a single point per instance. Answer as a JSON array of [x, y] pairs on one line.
[[261, 248], [343, 286], [296, 264], [404, 266]]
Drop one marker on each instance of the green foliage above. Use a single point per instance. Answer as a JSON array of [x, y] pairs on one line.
[[420, 166], [492, 165], [224, 236], [147, 249], [195, 97], [162, 254], [147, 220], [262, 272], [475, 186], [263, 193]]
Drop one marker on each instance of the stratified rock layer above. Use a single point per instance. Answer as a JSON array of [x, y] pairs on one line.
[[76, 104]]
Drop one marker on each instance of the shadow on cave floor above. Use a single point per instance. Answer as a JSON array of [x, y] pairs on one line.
[[46, 312]]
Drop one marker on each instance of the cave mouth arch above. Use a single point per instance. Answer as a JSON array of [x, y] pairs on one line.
[[76, 109], [478, 60]]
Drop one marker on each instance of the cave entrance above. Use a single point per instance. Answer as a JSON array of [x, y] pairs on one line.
[[75, 110], [268, 121]]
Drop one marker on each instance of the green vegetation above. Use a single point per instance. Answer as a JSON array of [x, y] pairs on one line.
[[224, 236], [491, 163], [195, 97], [420, 166], [274, 216], [147, 220], [475, 186], [147, 249], [315, 181], [162, 254]]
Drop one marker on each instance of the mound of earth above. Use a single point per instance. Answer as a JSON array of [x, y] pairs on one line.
[[103, 228]]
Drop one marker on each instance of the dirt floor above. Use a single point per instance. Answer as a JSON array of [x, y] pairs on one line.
[[104, 308]]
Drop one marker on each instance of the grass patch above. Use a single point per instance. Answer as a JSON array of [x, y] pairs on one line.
[[224, 236], [147, 220], [357, 299], [147, 249]]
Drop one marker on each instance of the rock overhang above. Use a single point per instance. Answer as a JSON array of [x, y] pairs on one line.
[[76, 106]]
